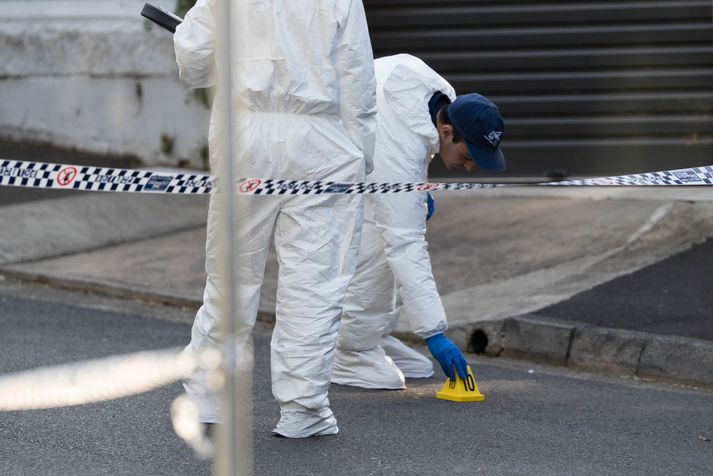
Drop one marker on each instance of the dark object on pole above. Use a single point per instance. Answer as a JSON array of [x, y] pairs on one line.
[[161, 17], [556, 174]]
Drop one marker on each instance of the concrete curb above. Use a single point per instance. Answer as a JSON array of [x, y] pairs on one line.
[[585, 347], [530, 337], [183, 301], [104, 288]]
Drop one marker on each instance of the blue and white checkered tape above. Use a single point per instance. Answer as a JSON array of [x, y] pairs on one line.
[[14, 173]]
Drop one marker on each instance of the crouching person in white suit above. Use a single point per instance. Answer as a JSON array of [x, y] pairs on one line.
[[418, 115]]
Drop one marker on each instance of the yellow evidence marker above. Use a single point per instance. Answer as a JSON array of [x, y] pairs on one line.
[[461, 390]]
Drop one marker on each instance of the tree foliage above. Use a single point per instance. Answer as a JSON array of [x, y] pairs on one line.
[[182, 6]]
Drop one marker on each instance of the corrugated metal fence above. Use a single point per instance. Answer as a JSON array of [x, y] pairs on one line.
[[595, 87]]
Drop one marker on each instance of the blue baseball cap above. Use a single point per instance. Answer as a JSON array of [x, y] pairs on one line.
[[478, 121]]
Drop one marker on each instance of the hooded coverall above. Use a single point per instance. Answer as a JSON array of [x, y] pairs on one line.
[[303, 94], [394, 274]]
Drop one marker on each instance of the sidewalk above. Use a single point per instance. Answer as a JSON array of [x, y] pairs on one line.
[[573, 277]]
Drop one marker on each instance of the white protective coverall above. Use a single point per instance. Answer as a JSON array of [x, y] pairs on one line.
[[305, 107], [394, 270]]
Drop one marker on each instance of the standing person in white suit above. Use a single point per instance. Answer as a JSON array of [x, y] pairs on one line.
[[304, 102], [418, 116]]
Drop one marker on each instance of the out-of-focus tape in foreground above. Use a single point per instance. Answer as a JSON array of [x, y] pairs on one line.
[[110, 378], [93, 381], [15, 173]]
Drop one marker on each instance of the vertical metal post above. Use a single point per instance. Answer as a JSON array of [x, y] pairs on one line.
[[234, 442]]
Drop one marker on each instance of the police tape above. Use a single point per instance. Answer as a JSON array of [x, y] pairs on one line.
[[15, 173], [93, 381], [109, 378]]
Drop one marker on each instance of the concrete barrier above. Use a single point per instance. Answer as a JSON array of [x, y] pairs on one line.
[[97, 77]]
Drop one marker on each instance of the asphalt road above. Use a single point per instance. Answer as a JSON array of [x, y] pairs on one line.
[[535, 420]]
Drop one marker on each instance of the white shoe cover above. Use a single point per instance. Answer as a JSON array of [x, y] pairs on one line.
[[411, 363], [367, 369], [299, 422], [206, 404]]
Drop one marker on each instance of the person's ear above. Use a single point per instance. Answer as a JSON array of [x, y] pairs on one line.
[[445, 131]]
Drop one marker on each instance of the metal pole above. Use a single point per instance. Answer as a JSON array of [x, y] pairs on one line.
[[234, 445]]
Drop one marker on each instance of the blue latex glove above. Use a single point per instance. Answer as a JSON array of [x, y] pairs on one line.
[[431, 203], [448, 355]]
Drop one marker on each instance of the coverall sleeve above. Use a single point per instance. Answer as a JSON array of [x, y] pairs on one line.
[[194, 43], [357, 83], [401, 221]]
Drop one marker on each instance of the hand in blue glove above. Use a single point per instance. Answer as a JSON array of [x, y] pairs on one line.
[[448, 355], [431, 204]]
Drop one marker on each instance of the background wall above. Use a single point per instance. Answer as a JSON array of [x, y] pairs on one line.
[[95, 76], [596, 87]]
